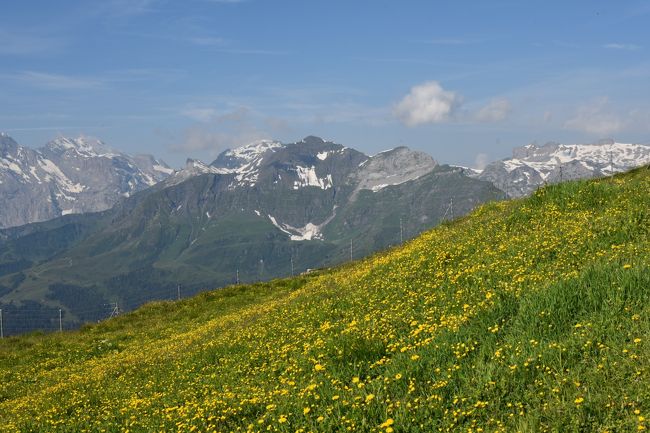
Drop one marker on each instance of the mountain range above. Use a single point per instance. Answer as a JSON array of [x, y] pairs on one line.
[[532, 166], [259, 211], [68, 175]]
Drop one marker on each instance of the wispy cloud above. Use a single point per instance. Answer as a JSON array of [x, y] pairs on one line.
[[596, 117], [495, 111], [56, 128], [55, 81], [126, 8], [449, 41], [220, 130], [213, 43], [252, 51], [21, 43], [201, 114], [208, 41], [626, 47]]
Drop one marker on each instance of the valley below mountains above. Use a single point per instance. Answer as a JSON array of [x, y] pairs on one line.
[[258, 212]]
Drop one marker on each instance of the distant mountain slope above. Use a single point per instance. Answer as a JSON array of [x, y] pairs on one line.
[[527, 315], [257, 211], [68, 175], [532, 166]]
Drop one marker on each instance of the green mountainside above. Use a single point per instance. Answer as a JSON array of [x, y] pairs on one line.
[[203, 231], [528, 315]]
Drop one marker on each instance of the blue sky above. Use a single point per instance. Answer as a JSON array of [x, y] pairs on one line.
[[464, 81]]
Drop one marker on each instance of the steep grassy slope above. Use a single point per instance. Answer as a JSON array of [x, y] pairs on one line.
[[199, 232], [529, 315]]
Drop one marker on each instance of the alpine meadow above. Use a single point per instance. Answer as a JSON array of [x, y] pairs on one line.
[[528, 315]]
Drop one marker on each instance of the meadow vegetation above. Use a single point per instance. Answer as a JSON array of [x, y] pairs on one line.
[[527, 315]]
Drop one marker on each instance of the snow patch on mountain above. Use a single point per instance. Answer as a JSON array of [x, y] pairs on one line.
[[163, 169], [307, 177], [253, 151], [87, 147], [52, 169], [307, 233]]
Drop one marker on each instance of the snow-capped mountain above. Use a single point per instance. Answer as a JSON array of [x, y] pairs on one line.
[[532, 165], [304, 168], [68, 175], [311, 161]]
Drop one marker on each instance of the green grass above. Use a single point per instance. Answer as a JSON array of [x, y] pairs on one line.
[[531, 315]]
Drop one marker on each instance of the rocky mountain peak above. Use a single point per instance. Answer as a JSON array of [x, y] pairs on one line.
[[82, 145], [7, 144], [392, 167], [68, 175], [249, 154]]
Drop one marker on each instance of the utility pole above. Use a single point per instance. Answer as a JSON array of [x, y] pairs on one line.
[[116, 310], [2, 331], [401, 231], [60, 322], [178, 289]]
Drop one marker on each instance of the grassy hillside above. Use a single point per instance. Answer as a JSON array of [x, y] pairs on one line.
[[529, 315], [199, 233]]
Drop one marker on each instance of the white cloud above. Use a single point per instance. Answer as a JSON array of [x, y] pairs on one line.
[[495, 111], [626, 47], [427, 103], [596, 118]]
